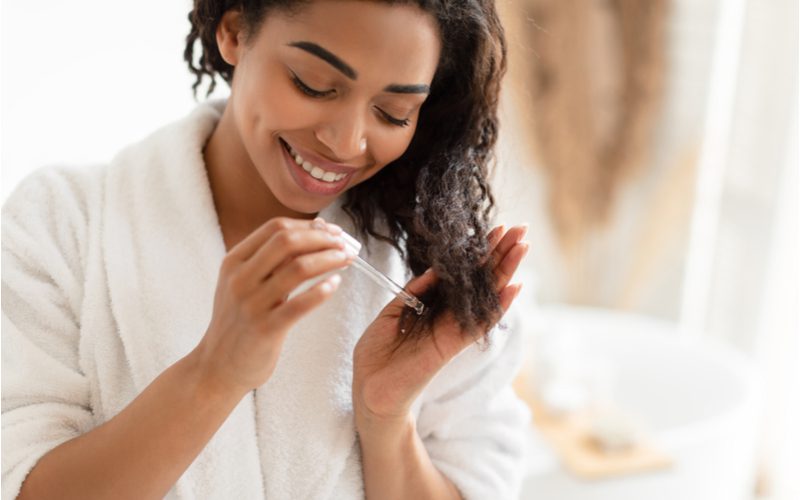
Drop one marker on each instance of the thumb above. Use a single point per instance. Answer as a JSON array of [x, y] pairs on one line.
[[419, 285], [416, 287]]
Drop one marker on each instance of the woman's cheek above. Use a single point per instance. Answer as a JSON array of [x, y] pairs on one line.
[[298, 112], [276, 107]]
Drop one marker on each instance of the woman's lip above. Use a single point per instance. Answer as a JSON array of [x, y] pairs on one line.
[[322, 163], [309, 183]]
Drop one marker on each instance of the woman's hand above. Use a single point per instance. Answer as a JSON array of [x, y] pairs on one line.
[[252, 311], [386, 383]]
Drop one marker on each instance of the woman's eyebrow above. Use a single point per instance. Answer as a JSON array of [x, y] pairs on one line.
[[348, 71], [408, 89], [328, 57]]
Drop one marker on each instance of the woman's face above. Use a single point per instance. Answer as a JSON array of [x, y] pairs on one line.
[[339, 85]]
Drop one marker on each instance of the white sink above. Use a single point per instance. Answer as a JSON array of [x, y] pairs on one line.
[[699, 400]]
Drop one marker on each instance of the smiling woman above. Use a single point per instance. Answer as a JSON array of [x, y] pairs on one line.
[[183, 320], [293, 94], [431, 118]]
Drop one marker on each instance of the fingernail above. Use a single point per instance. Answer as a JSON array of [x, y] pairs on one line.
[[519, 289], [524, 231], [318, 223], [333, 228], [351, 252], [331, 283]]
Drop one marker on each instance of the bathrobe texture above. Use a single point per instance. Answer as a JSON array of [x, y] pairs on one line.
[[109, 274]]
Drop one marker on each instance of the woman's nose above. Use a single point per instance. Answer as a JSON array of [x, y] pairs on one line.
[[345, 137]]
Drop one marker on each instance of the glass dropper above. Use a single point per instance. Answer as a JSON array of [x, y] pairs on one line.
[[380, 278]]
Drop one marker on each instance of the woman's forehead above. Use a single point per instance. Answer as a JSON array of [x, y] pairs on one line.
[[360, 36]]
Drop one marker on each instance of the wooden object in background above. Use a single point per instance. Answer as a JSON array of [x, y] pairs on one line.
[[579, 454]]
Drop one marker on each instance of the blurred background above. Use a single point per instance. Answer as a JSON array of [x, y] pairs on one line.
[[652, 146]]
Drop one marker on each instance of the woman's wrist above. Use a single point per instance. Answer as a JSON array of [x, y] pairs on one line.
[[387, 444], [206, 382], [379, 419], [395, 460], [382, 428]]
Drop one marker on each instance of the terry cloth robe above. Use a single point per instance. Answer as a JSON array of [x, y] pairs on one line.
[[109, 274]]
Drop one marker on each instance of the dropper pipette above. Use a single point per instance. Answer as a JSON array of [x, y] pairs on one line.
[[380, 278]]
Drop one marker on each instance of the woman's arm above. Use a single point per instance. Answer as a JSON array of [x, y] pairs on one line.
[[388, 378], [396, 463], [143, 450]]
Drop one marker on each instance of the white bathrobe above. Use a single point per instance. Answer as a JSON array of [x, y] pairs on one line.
[[109, 274]]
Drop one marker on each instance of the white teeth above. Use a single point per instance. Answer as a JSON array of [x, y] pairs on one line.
[[315, 171]]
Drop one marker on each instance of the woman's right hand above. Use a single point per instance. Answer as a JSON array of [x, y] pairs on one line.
[[252, 311]]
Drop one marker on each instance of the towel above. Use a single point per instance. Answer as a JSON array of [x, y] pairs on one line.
[[108, 276]]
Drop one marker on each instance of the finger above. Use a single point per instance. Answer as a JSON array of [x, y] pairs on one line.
[[296, 271], [508, 295], [494, 236], [505, 269], [289, 312], [512, 236], [416, 287], [284, 246], [245, 249], [422, 283]]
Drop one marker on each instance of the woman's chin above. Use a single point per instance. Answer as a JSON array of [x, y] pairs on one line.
[[302, 204]]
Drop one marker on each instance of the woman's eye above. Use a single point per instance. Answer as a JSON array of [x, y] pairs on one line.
[[394, 121], [308, 90], [325, 93]]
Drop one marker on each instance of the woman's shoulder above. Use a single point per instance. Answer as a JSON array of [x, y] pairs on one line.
[[55, 189], [52, 208]]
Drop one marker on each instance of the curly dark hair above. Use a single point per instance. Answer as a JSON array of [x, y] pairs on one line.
[[436, 198]]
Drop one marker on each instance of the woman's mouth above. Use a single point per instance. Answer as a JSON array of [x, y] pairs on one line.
[[313, 178]]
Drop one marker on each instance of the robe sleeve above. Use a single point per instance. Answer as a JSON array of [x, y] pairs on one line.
[[45, 396], [473, 425]]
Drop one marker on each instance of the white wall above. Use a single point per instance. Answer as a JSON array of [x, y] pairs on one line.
[[82, 79]]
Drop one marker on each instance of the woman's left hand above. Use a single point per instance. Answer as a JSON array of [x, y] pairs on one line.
[[386, 383]]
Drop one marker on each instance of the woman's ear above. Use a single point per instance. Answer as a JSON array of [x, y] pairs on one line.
[[230, 36]]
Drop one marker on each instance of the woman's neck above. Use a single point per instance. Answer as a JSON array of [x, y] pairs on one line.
[[241, 198]]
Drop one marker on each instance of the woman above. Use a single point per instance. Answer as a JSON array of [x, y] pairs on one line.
[[155, 342]]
